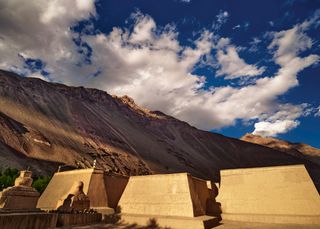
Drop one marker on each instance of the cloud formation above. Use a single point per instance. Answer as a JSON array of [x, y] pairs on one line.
[[288, 44], [161, 68], [274, 128], [44, 36], [231, 65], [221, 19], [317, 113], [149, 64], [282, 121]]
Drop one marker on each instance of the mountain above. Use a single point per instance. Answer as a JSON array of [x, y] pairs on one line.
[[298, 150], [46, 124]]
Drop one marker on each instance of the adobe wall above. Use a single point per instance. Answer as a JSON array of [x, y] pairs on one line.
[[97, 190], [281, 190], [66, 220], [167, 195], [115, 186], [177, 194], [60, 185], [104, 191], [27, 220], [201, 195]]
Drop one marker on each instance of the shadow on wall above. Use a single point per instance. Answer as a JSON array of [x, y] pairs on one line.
[[314, 173]]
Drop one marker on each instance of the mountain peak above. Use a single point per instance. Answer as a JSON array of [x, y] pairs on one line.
[[127, 100]]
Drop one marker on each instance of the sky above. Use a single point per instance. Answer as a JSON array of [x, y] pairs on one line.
[[230, 67]]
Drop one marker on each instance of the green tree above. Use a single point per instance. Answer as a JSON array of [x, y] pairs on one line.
[[40, 183], [7, 177]]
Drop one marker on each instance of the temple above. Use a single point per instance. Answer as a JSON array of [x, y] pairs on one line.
[[281, 195]]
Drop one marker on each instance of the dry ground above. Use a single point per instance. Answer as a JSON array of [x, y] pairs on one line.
[[224, 225]]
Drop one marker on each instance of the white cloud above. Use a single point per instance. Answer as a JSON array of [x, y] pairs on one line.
[[153, 68], [254, 44], [317, 114], [245, 26], [221, 19], [236, 27], [274, 128], [150, 65], [281, 121], [232, 66], [271, 23], [289, 43], [165, 77], [40, 29], [143, 30]]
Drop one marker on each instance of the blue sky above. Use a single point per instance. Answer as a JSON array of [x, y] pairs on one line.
[[224, 66]]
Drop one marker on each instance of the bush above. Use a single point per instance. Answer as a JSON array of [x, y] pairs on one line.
[[7, 177], [40, 183]]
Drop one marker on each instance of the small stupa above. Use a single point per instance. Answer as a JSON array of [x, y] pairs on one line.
[[21, 196], [74, 200]]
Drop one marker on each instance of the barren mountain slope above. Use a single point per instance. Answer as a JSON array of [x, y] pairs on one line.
[[299, 150], [73, 125]]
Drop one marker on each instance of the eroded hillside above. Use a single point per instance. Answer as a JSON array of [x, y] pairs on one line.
[[50, 123]]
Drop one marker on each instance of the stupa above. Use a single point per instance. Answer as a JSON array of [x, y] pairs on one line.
[[75, 199], [21, 196]]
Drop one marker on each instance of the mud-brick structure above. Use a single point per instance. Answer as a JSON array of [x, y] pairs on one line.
[[18, 206], [281, 194], [21, 196], [172, 200], [103, 190]]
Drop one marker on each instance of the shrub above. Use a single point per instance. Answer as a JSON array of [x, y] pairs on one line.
[[40, 183], [7, 177]]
